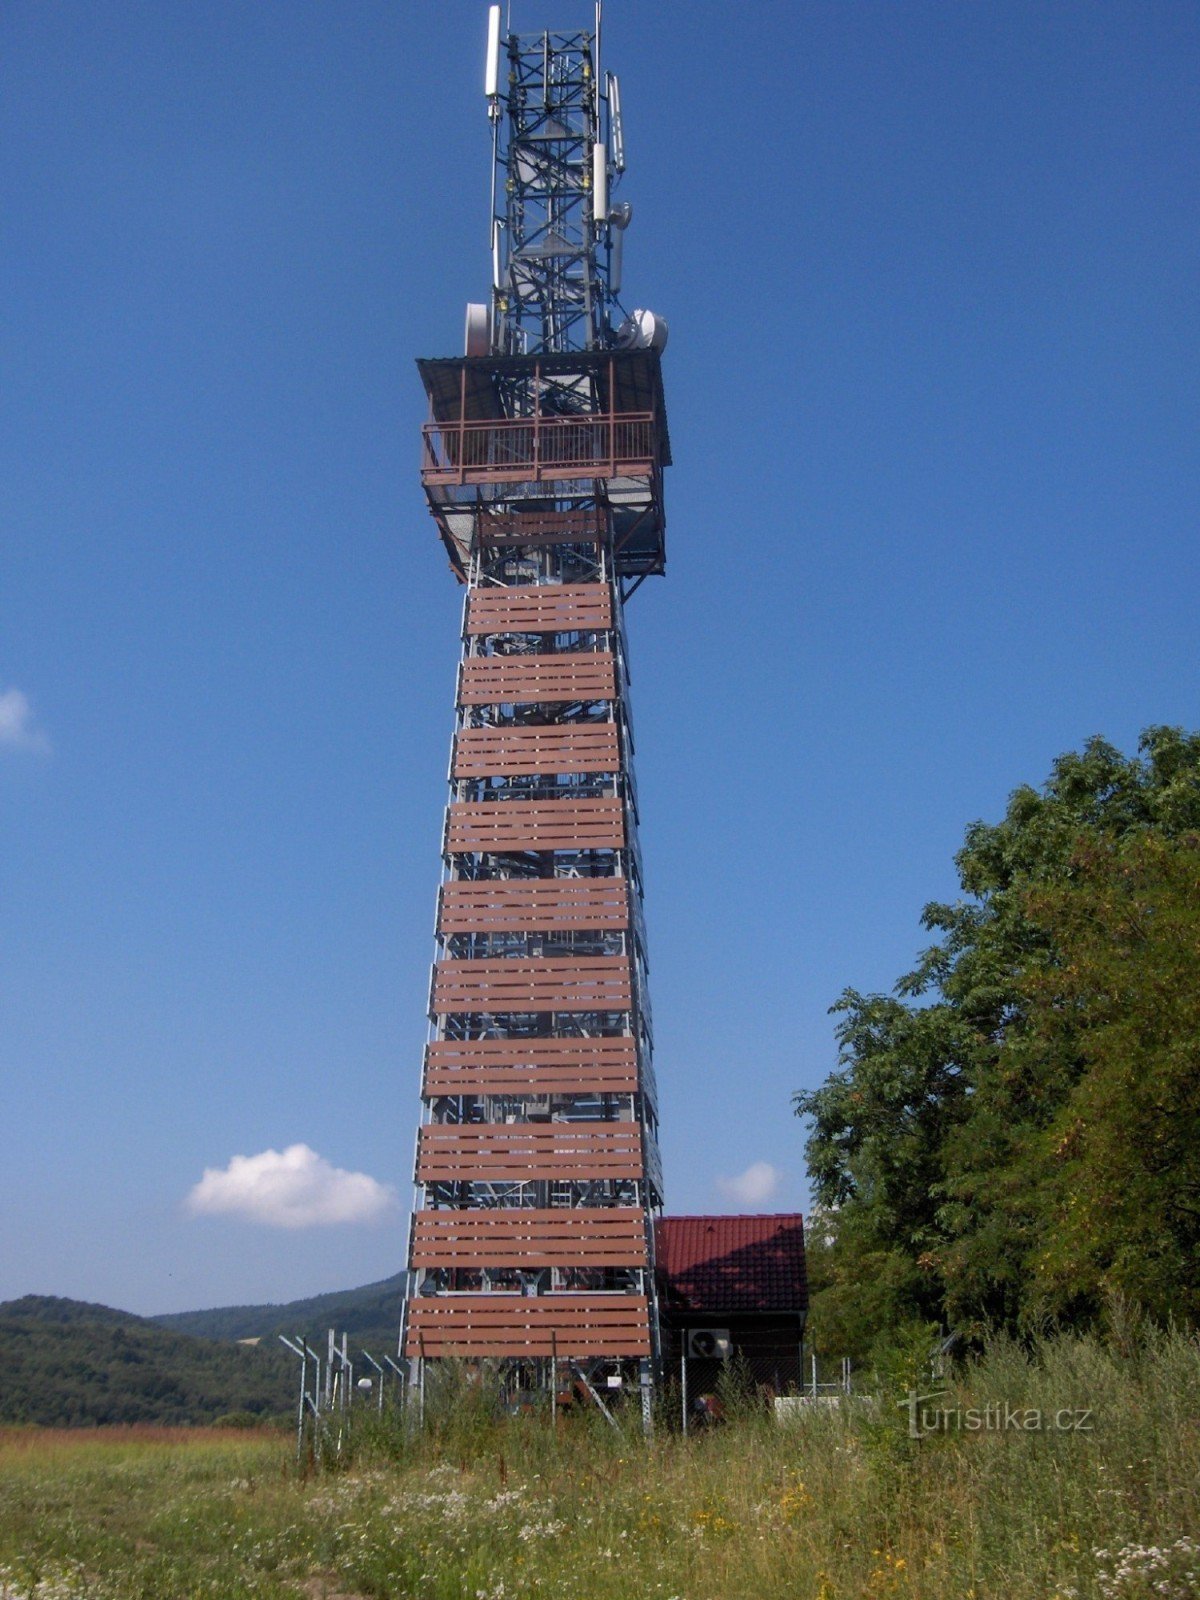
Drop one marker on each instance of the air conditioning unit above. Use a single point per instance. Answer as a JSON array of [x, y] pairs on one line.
[[709, 1344]]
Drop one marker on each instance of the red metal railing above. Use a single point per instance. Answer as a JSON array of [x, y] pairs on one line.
[[528, 449]]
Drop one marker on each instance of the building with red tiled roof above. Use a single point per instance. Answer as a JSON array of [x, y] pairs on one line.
[[743, 1276]]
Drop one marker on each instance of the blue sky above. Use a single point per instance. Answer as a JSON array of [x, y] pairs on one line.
[[931, 277]]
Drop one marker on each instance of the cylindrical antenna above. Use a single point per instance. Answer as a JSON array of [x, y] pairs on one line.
[[599, 184], [491, 74], [597, 79]]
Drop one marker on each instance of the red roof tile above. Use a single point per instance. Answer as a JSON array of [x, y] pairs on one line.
[[716, 1264]]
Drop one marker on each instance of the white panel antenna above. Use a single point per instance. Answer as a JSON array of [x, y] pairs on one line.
[[616, 130], [497, 229], [477, 339], [491, 75], [599, 184], [620, 216]]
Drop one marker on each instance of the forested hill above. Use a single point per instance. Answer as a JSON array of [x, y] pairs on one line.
[[370, 1315], [66, 1363]]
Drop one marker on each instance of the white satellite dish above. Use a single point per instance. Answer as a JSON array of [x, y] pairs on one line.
[[642, 330]]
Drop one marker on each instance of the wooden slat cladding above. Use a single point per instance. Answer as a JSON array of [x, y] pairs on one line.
[[547, 983], [530, 1066], [588, 1237], [476, 1325], [568, 748], [524, 1152], [555, 678], [539, 527], [540, 608], [549, 905], [483, 825]]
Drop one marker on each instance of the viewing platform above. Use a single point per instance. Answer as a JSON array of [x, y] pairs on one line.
[[595, 436]]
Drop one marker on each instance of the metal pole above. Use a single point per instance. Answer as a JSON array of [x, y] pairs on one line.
[[368, 1357], [400, 1376], [683, 1384], [303, 1354]]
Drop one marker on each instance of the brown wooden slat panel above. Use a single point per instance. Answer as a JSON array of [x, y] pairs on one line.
[[540, 608], [539, 527], [530, 1066], [553, 905], [590, 1237], [499, 825], [568, 748], [524, 1325], [526, 680], [524, 1151], [549, 983]]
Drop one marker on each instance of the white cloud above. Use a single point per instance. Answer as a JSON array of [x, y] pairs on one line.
[[18, 726], [292, 1188], [750, 1188]]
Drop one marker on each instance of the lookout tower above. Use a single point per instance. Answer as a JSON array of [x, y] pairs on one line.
[[537, 1156]]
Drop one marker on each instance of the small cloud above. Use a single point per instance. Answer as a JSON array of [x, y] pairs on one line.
[[750, 1188], [18, 726], [292, 1188]]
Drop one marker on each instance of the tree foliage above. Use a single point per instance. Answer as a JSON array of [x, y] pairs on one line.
[[974, 1144], [1119, 1163]]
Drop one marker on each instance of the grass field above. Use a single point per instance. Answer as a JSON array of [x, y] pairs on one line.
[[840, 1506]]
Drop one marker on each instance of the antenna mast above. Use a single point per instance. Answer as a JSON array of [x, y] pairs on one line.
[[551, 231]]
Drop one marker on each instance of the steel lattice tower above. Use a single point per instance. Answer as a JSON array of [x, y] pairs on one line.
[[537, 1156]]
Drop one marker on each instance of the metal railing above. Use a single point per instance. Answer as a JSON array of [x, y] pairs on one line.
[[529, 449]]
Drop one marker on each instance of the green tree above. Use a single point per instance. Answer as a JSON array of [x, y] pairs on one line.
[[929, 1143], [1118, 1167]]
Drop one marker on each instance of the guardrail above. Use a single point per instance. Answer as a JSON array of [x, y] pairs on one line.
[[530, 449]]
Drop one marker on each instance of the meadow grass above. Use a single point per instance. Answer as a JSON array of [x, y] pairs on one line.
[[841, 1505]]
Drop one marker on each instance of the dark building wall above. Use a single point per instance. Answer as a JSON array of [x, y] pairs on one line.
[[770, 1343]]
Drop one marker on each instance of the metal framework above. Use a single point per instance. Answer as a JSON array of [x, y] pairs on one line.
[[537, 1158], [551, 285]]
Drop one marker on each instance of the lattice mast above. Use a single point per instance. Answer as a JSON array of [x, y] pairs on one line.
[[537, 1156]]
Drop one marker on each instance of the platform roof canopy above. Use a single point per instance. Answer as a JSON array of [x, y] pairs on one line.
[[721, 1264]]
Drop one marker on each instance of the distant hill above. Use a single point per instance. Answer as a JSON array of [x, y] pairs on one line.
[[370, 1315], [64, 1363]]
